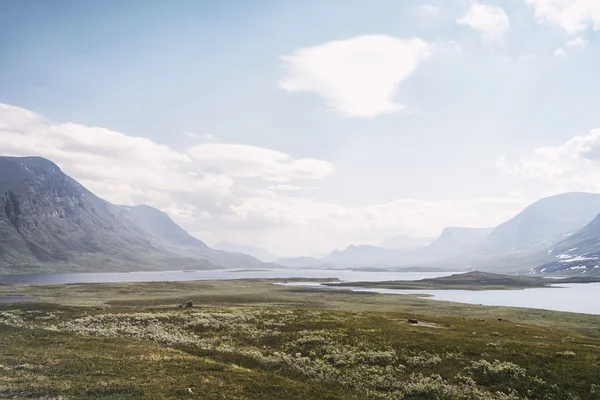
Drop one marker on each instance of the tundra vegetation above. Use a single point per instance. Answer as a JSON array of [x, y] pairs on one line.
[[138, 343]]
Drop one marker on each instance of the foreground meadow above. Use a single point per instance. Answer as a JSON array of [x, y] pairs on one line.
[[131, 341]]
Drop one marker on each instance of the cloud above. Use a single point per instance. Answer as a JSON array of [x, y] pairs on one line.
[[200, 136], [571, 166], [244, 161], [357, 77], [429, 9], [560, 52], [491, 21], [131, 170], [577, 42], [231, 191], [572, 15]]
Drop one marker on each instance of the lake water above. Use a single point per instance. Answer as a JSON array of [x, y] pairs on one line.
[[579, 298], [219, 274]]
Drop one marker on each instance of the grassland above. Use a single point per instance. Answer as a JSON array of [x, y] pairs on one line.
[[254, 340]]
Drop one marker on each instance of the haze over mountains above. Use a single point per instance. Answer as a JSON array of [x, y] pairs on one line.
[[256, 252], [49, 222]]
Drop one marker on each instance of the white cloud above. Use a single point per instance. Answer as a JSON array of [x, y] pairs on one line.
[[571, 166], [560, 52], [217, 189], [244, 161], [131, 170], [491, 21], [200, 136], [572, 15], [577, 42], [358, 77], [428, 8]]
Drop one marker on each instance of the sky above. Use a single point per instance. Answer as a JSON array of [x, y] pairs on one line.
[[305, 126]]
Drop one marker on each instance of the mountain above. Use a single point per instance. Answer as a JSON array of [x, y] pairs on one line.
[[256, 252], [454, 240], [545, 222], [358, 256], [177, 240], [524, 241], [579, 253], [49, 222], [404, 242], [160, 226]]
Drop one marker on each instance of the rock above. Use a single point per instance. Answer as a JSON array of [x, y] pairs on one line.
[[187, 304], [500, 319], [413, 321]]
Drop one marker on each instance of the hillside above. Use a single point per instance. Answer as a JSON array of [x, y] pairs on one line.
[[545, 222], [578, 254], [49, 222]]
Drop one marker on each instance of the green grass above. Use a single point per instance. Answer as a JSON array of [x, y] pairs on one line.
[[253, 340]]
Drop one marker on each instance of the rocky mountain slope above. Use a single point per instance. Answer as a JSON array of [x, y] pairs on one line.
[[545, 222], [49, 222], [578, 254]]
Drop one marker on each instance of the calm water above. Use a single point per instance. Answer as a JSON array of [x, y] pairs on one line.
[[176, 276], [579, 298]]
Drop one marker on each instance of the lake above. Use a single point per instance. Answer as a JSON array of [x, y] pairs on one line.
[[579, 298], [219, 274]]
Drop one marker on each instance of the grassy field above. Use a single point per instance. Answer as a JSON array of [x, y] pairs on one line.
[[254, 340]]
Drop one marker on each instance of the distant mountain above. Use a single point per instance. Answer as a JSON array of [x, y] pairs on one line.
[[171, 236], [454, 240], [545, 222], [451, 242], [404, 242], [523, 242], [578, 254], [256, 252], [160, 225], [49, 222], [356, 256]]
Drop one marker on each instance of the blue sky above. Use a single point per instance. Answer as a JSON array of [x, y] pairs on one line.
[[302, 126]]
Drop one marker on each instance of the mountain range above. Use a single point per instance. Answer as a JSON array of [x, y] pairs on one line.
[[553, 225], [50, 222]]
